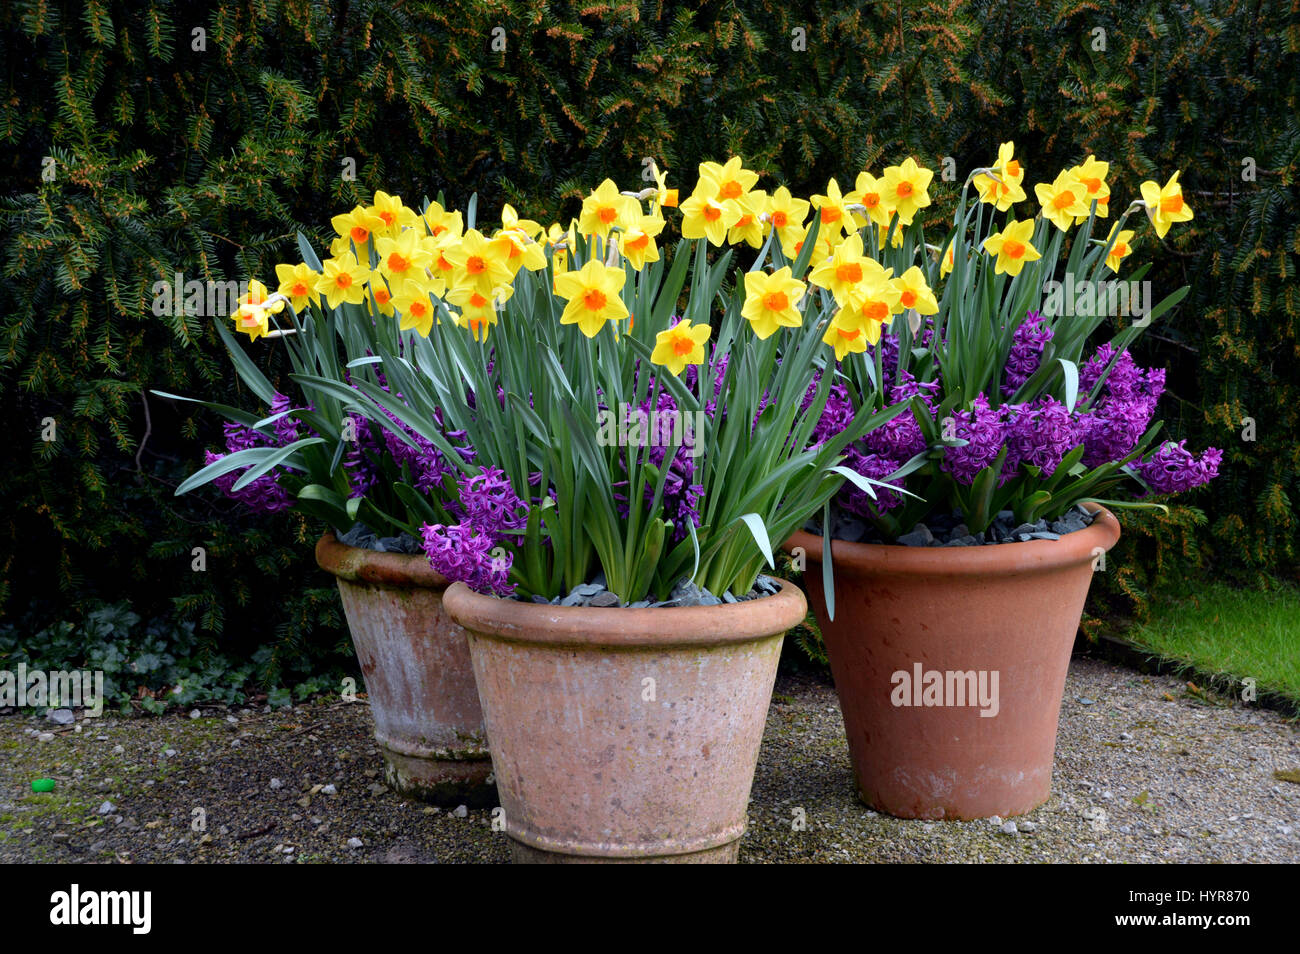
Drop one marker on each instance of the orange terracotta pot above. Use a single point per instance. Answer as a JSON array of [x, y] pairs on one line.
[[625, 735], [950, 665], [419, 680]]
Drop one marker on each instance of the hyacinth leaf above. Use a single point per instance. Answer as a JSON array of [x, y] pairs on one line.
[[248, 371], [309, 256], [828, 573], [1071, 383], [278, 458], [1126, 504], [246, 418], [758, 530], [219, 468]]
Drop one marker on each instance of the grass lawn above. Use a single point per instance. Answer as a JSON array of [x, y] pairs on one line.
[[1226, 631]]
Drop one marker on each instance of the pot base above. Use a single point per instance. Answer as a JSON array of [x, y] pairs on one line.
[[443, 782], [521, 854]]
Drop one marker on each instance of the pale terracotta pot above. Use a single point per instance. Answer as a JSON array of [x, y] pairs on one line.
[[625, 735], [419, 680], [1012, 609]]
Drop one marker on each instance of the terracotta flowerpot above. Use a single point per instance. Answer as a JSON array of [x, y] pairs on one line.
[[625, 735], [419, 680], [996, 623]]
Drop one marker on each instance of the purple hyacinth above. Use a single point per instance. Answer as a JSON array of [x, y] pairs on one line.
[[1112, 427], [490, 504], [901, 437], [858, 501], [263, 494], [1173, 468], [984, 430], [465, 553], [1040, 434], [1027, 346]]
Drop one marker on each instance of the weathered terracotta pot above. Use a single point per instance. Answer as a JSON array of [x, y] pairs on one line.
[[1009, 611], [419, 680], [625, 735]]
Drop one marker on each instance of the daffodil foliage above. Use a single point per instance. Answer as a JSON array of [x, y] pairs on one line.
[[518, 351]]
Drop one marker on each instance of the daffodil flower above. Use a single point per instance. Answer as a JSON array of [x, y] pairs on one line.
[[478, 262], [907, 188], [357, 227], [416, 307], [914, 292], [1165, 205], [510, 221], [343, 279], [392, 213], [1064, 200], [730, 181], [1121, 249], [443, 224], [873, 199], [1012, 247], [771, 301], [250, 316], [382, 294], [405, 256], [606, 208], [638, 244], [833, 210], [298, 284], [846, 337], [680, 345], [705, 217], [478, 312], [846, 269], [594, 296], [787, 215], [664, 197], [749, 227], [1092, 173]]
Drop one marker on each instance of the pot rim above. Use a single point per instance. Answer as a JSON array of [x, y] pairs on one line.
[[614, 627], [359, 565], [1022, 557]]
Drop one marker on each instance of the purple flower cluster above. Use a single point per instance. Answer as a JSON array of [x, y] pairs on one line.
[[1037, 434], [1111, 428], [1173, 468], [473, 551], [681, 495], [1026, 353], [263, 494]]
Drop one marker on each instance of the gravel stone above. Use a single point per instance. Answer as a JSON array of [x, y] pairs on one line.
[[62, 716]]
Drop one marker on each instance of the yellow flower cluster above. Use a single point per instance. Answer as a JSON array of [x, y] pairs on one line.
[[396, 261]]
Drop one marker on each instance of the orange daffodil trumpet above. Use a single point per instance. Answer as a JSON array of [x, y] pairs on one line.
[[1165, 204], [1012, 247]]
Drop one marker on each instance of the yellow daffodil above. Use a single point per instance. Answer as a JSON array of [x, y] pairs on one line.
[[847, 270], [680, 345], [478, 312], [1012, 247], [705, 217], [787, 215], [594, 296], [478, 262], [771, 301], [1092, 173], [1165, 205], [441, 268], [1003, 189], [914, 292], [406, 256], [946, 265], [356, 226], [872, 196], [872, 311], [510, 221], [561, 243], [520, 251], [834, 212], [907, 188], [846, 337], [1064, 200], [298, 284], [606, 208], [394, 215], [749, 227], [1122, 248], [638, 242], [442, 223], [250, 316], [343, 279], [416, 307], [383, 295], [732, 181], [664, 197]]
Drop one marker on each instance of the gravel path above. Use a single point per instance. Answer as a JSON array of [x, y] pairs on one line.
[[1146, 770]]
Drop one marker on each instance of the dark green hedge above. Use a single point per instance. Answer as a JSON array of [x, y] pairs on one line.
[[162, 153]]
